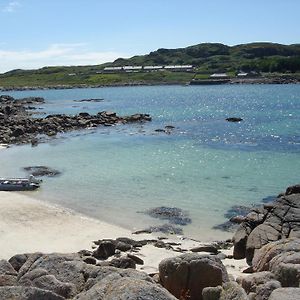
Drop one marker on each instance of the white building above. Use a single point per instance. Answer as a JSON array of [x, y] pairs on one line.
[[179, 68], [112, 69], [219, 76], [132, 68], [153, 68]]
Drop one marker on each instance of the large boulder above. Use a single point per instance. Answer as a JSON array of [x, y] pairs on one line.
[[191, 273], [267, 256], [40, 278], [288, 274], [259, 237], [240, 240], [124, 288], [66, 268]]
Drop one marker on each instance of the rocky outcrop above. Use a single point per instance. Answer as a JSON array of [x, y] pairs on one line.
[[274, 221], [66, 276], [188, 274], [18, 126]]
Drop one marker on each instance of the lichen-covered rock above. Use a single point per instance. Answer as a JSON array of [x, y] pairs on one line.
[[6, 268], [212, 293], [191, 272], [286, 294], [97, 274], [264, 291], [125, 288], [251, 282], [260, 236], [229, 291], [288, 274], [263, 258], [27, 293], [40, 278], [232, 291], [8, 280], [66, 268]]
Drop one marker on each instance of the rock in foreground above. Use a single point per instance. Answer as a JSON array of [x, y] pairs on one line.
[[274, 221], [189, 274]]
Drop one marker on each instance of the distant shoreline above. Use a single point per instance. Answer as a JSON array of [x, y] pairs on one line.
[[236, 81]]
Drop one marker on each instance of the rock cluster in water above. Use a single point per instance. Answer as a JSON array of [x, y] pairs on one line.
[[174, 216], [39, 171], [18, 126]]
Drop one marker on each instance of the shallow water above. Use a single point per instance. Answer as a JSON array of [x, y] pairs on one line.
[[205, 166]]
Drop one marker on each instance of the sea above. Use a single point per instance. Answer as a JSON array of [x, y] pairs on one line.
[[204, 166]]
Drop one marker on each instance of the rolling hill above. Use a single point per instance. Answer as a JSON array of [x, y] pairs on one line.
[[207, 58]]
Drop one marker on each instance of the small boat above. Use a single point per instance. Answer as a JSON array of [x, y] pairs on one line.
[[19, 184]]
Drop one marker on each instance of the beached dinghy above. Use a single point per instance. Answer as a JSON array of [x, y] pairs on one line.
[[19, 184]]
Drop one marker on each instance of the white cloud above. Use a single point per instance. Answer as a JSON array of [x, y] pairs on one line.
[[54, 55], [11, 6]]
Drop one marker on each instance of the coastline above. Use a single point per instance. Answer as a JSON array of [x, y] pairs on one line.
[[234, 81], [28, 225]]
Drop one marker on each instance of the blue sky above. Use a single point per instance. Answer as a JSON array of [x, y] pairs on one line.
[[36, 33]]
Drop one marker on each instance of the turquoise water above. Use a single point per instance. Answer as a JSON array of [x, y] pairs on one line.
[[205, 166]]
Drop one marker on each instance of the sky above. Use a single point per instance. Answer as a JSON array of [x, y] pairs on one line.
[[37, 33]]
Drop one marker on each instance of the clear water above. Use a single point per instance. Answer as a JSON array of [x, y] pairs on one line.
[[205, 166]]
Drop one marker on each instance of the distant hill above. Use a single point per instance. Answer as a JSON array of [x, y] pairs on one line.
[[211, 57], [207, 58]]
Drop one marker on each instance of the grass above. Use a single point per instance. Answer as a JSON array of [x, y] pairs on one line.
[[91, 78]]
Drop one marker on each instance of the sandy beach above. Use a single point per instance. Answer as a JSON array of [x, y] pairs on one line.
[[28, 225]]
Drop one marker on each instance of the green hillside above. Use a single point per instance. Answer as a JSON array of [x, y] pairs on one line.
[[212, 57], [207, 58]]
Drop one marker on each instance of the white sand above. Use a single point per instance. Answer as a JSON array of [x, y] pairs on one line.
[[29, 225]]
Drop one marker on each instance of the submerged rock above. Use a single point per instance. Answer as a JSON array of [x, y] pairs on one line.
[[236, 215], [237, 210], [173, 214], [234, 119], [90, 100], [165, 228], [39, 171]]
